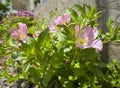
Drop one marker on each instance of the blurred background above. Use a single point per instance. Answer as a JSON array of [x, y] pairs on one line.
[[12, 6]]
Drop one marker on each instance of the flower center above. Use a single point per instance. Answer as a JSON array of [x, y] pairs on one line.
[[21, 36], [83, 41]]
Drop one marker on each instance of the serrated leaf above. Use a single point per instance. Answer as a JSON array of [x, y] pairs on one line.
[[72, 13], [110, 25], [81, 9], [92, 12]]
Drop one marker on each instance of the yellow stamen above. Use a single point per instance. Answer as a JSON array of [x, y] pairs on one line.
[[21, 36]]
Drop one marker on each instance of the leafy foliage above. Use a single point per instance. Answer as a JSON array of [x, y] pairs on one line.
[[51, 59]]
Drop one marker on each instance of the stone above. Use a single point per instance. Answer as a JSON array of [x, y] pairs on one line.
[[110, 51], [43, 11], [110, 8]]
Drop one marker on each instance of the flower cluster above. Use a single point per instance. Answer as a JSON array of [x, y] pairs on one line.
[[25, 14], [65, 18], [87, 38], [22, 32], [84, 38]]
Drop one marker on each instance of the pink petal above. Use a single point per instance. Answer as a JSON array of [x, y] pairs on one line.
[[58, 21], [97, 44], [37, 32], [23, 28], [53, 27], [88, 32], [79, 45], [23, 31], [76, 30], [66, 17], [15, 33], [95, 32]]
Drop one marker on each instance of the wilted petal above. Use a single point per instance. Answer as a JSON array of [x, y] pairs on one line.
[[97, 44], [37, 32]]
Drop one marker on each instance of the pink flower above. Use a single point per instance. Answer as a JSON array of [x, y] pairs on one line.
[[87, 38], [15, 33], [21, 33], [65, 18], [61, 20], [37, 32]]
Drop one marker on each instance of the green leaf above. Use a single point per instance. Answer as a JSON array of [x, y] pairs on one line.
[[98, 73], [10, 61], [101, 64], [65, 29], [68, 84], [77, 65], [43, 39], [32, 30], [15, 55], [47, 78], [110, 25], [43, 25], [26, 67], [73, 14], [92, 13], [81, 9], [8, 37], [71, 77], [11, 79], [30, 41]]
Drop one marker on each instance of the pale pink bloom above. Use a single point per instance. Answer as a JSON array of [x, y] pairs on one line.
[[87, 38], [53, 27], [37, 32], [15, 33], [65, 18], [61, 20], [21, 33]]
